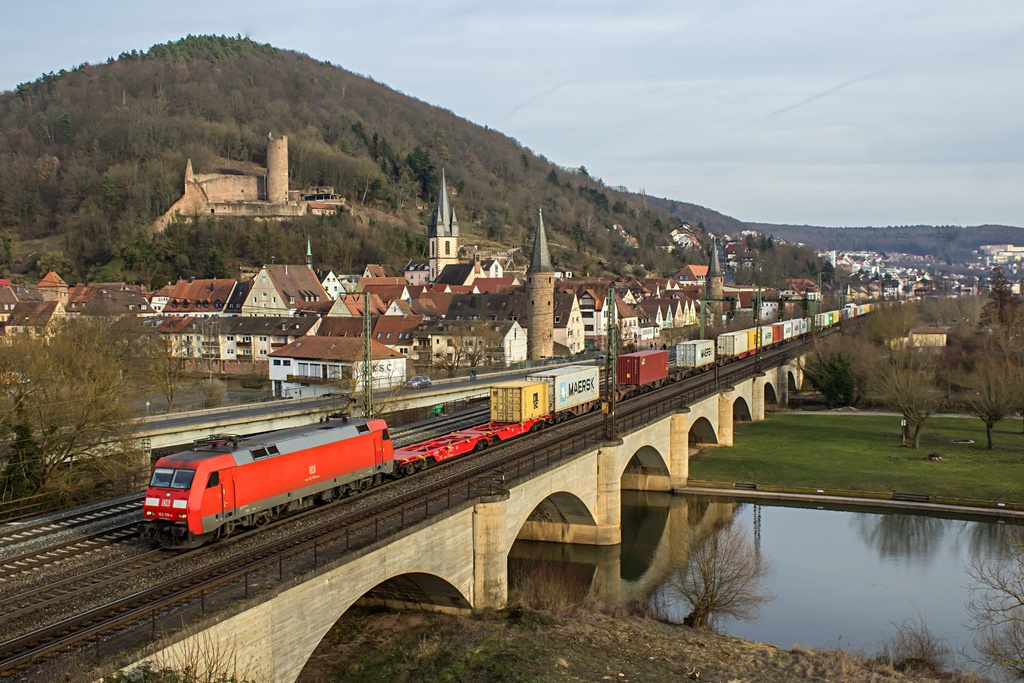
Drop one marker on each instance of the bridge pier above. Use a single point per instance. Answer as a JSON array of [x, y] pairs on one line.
[[490, 553], [679, 455], [725, 399], [782, 385], [757, 397]]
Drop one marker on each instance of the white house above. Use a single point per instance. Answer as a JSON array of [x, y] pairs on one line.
[[316, 365]]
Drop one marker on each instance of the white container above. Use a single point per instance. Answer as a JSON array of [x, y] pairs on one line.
[[731, 343], [695, 354], [787, 329], [570, 386]]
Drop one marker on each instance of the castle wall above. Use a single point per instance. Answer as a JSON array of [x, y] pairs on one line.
[[260, 209], [231, 188]]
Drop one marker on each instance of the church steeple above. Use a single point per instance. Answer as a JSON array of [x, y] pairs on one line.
[[540, 262], [714, 266], [442, 233], [443, 222], [309, 254]]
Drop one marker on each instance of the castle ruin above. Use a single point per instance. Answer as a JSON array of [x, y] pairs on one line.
[[263, 196]]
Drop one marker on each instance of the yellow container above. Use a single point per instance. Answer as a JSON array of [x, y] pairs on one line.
[[751, 339], [518, 401]]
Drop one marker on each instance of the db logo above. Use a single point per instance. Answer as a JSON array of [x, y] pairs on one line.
[[165, 503], [312, 469]]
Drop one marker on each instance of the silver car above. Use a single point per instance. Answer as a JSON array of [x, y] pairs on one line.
[[418, 382]]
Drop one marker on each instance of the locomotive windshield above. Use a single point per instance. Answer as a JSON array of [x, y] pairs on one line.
[[165, 478]]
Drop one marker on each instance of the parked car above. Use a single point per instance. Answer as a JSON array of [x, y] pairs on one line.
[[418, 382], [602, 358]]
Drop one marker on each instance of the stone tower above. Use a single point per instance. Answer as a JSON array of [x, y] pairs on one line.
[[540, 293], [714, 285], [277, 169], [443, 233]]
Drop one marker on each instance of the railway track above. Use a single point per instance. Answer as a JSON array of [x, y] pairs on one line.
[[14, 533], [191, 594], [24, 603]]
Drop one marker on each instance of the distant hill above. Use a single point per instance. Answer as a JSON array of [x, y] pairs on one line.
[[695, 215], [90, 157], [952, 243]]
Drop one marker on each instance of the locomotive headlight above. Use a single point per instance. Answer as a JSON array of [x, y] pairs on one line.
[[181, 516], [149, 513]]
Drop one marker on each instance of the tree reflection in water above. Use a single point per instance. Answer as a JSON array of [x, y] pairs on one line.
[[901, 535]]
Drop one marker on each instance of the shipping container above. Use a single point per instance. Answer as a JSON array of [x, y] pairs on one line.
[[695, 354], [642, 367], [519, 401], [751, 339], [731, 343], [778, 333], [787, 329], [570, 386]]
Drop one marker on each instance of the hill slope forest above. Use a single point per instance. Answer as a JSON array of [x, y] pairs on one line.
[[90, 157]]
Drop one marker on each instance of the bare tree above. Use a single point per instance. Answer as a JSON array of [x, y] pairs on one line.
[[989, 392], [890, 324], [722, 579], [168, 368], [66, 399], [906, 381], [996, 609]]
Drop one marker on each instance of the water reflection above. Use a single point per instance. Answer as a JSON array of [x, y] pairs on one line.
[[907, 537], [841, 576]]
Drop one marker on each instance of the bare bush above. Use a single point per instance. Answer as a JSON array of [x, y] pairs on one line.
[[996, 609], [913, 648], [551, 587], [722, 579]]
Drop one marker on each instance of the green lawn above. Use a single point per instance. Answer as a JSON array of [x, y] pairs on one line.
[[863, 453]]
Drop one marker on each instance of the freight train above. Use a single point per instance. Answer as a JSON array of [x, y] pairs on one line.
[[226, 482]]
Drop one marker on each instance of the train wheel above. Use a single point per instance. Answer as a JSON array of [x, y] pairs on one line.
[[409, 469], [480, 445], [364, 484], [263, 519]]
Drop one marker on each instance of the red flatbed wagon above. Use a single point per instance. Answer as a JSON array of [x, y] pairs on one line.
[[441, 448]]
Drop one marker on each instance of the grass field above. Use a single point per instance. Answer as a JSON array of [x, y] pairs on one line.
[[863, 453]]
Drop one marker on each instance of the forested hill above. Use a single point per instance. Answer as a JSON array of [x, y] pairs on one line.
[[90, 157], [949, 242]]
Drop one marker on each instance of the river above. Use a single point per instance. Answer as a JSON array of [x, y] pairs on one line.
[[840, 576]]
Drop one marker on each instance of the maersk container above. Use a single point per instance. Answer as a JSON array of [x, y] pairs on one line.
[[695, 354], [642, 367], [519, 401], [731, 343], [570, 386]]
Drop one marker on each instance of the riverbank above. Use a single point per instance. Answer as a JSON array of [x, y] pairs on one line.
[[845, 451], [580, 645]]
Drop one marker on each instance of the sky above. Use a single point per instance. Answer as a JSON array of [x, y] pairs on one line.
[[836, 113]]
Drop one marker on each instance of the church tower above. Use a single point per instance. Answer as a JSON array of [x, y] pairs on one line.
[[443, 233], [714, 285], [540, 294]]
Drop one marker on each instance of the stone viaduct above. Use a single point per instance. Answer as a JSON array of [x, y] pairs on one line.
[[459, 560]]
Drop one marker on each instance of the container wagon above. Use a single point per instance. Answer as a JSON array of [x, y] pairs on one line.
[[642, 368], [699, 353], [572, 390]]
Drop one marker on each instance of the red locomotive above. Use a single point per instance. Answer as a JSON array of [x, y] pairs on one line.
[[226, 481]]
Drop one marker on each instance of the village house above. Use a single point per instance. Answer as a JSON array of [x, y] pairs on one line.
[[283, 290], [315, 365]]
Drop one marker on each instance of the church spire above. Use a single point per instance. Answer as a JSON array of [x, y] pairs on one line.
[[714, 266], [309, 254], [443, 222], [541, 260]]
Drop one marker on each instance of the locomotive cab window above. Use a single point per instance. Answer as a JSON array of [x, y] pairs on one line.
[[182, 479], [214, 480], [385, 435], [161, 478]]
